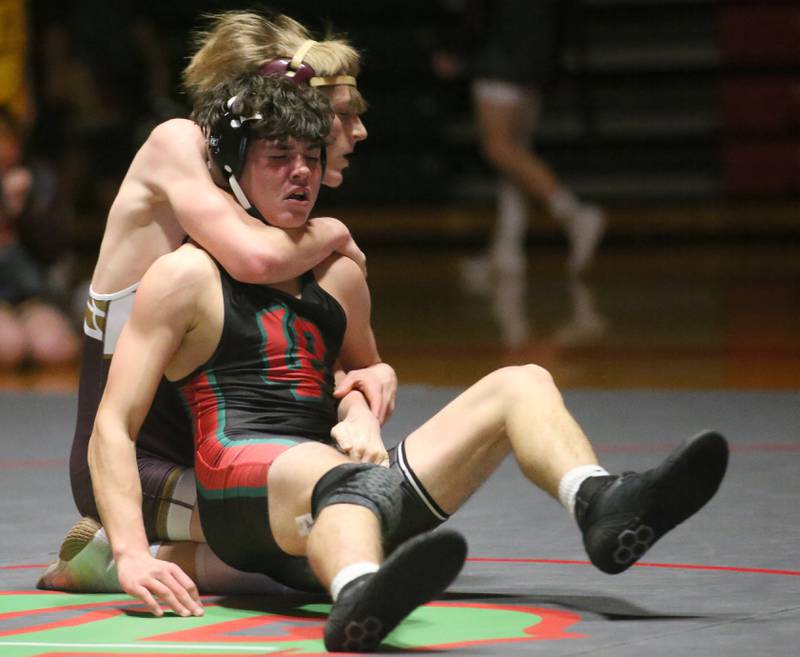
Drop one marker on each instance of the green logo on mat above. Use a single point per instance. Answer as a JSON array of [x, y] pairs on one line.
[[61, 624]]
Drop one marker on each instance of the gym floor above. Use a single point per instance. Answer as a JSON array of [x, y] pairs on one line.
[[658, 343]]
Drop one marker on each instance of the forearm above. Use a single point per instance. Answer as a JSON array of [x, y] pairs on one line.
[[252, 252], [277, 255], [117, 488], [353, 403]]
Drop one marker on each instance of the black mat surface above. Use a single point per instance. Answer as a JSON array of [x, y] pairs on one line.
[[725, 583]]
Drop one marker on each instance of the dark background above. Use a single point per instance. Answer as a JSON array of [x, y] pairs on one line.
[[661, 103]]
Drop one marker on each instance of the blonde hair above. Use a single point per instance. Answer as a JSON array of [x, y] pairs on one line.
[[240, 42]]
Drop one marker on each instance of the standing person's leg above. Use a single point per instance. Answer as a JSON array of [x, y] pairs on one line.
[[519, 410], [507, 116]]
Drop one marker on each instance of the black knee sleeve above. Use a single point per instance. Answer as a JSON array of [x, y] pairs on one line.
[[371, 486]]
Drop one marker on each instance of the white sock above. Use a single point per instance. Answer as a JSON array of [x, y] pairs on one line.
[[512, 221], [571, 482], [349, 573], [563, 205], [215, 576]]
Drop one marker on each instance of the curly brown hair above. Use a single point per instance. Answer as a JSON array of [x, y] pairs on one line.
[[286, 109]]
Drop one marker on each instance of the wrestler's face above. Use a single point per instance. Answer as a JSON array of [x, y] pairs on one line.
[[282, 178], [347, 130]]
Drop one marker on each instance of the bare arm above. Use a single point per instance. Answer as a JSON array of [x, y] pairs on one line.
[[163, 314], [359, 357], [249, 250]]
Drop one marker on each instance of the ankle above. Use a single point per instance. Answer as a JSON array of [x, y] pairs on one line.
[[572, 482], [586, 493], [349, 574]]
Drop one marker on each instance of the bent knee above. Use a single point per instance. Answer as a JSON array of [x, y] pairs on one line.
[[13, 345], [526, 379]]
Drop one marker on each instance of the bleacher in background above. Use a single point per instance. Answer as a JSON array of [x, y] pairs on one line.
[[685, 112], [688, 104]]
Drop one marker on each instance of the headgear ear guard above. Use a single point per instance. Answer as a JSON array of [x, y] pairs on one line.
[[227, 148]]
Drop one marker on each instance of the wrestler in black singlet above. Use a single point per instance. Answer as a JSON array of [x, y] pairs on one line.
[[164, 445], [267, 387]]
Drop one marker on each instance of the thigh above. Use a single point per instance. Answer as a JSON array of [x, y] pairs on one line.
[[239, 534], [506, 112], [168, 498], [291, 482], [454, 452], [13, 345], [249, 505]]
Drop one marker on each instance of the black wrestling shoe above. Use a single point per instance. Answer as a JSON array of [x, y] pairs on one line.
[[622, 516], [371, 606]]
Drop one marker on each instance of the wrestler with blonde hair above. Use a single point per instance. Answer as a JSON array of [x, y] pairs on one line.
[[239, 42]]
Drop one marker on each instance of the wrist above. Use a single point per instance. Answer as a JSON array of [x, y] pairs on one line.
[[131, 551]]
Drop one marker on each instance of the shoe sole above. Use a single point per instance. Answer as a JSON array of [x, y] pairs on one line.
[[682, 485], [77, 538], [415, 573]]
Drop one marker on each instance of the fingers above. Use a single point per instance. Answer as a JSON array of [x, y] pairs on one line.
[[145, 596], [389, 410], [187, 595], [175, 590], [345, 387], [340, 435]]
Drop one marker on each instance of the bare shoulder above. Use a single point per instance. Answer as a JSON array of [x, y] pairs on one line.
[[174, 142], [342, 278], [339, 268], [174, 132], [181, 271]]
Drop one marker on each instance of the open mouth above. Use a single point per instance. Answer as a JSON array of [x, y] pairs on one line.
[[298, 196]]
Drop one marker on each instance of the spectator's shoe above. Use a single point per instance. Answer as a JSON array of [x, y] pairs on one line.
[[622, 516], [585, 231], [85, 562], [371, 606]]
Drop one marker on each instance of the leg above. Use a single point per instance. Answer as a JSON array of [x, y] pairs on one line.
[[352, 505], [52, 341], [512, 410], [13, 346], [519, 410], [85, 562], [507, 117]]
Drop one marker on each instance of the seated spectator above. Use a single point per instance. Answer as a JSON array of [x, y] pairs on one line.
[[32, 328]]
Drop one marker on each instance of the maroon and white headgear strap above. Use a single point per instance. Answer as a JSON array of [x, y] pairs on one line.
[[301, 72]]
